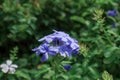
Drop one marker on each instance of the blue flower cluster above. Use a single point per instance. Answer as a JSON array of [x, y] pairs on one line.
[[57, 43], [112, 13]]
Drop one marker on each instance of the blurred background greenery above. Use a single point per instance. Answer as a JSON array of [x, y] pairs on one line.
[[23, 22]]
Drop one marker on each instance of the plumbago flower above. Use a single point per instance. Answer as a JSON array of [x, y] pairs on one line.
[[67, 67], [112, 13], [45, 50], [57, 43], [8, 67]]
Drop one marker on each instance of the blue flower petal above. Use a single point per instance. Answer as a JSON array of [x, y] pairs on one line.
[[44, 57], [67, 67]]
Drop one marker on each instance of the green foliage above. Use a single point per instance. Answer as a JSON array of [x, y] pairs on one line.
[[13, 53], [23, 22], [106, 76]]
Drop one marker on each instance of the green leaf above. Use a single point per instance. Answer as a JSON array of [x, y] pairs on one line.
[[22, 74], [106, 76], [62, 77], [110, 51], [41, 71], [1, 74], [78, 19], [66, 62]]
